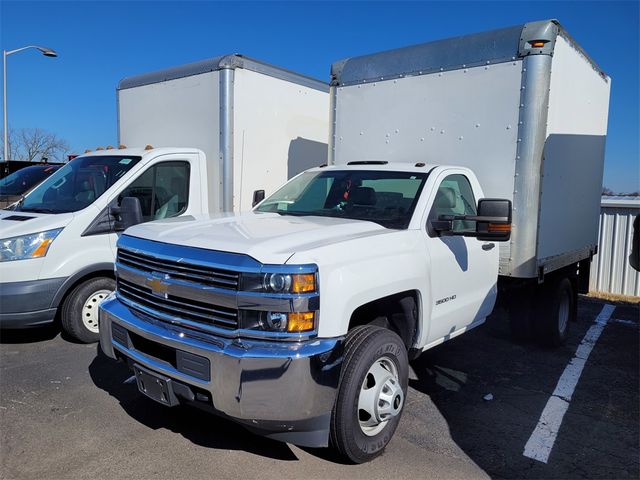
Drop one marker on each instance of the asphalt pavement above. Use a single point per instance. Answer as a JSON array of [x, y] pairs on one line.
[[67, 411]]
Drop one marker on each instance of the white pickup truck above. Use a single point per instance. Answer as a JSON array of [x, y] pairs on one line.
[[344, 269], [298, 319]]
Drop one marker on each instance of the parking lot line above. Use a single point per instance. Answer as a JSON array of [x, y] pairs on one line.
[[542, 439]]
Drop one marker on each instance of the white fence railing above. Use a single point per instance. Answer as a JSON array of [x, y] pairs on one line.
[[610, 270]]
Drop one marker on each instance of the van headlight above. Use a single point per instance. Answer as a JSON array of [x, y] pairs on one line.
[[34, 245]]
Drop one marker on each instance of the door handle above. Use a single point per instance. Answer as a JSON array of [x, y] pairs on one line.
[[488, 246]]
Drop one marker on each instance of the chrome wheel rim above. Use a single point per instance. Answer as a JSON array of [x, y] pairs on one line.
[[381, 397], [563, 314], [90, 310]]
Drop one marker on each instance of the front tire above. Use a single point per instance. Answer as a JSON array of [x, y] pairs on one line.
[[80, 308], [371, 393]]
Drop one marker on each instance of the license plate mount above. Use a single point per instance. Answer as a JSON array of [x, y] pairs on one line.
[[156, 387]]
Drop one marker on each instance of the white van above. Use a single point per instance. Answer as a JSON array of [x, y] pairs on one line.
[[253, 126]]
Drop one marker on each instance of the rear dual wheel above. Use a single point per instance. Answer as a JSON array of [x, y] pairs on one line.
[[371, 394], [554, 313], [544, 311]]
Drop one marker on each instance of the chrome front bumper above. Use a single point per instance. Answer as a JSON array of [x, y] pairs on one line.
[[283, 390]]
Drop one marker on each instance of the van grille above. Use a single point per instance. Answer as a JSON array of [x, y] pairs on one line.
[[180, 270], [177, 307]]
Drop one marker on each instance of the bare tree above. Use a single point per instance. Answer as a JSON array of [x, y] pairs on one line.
[[36, 144]]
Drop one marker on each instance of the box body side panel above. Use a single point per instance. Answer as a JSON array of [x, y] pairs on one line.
[[280, 129], [465, 117], [183, 112], [573, 158]]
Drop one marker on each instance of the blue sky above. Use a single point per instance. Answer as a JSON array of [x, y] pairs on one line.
[[101, 42]]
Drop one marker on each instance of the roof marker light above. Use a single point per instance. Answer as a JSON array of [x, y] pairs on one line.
[[148, 147], [538, 43]]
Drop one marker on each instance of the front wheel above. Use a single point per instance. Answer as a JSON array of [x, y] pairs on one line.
[[371, 394], [80, 308]]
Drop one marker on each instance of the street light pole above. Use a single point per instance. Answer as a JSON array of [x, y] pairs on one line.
[[4, 105], [47, 52]]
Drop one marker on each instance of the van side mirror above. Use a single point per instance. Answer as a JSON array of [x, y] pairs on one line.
[[493, 221], [258, 196], [128, 214]]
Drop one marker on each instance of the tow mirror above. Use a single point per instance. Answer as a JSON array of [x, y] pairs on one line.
[[258, 196], [128, 214], [493, 221]]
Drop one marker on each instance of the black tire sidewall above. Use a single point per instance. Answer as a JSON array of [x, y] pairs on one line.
[[71, 314], [549, 315], [379, 343], [563, 289]]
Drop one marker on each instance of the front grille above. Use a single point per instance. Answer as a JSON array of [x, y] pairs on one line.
[[177, 307], [208, 276]]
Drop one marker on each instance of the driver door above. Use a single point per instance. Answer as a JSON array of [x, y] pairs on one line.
[[162, 190], [464, 270]]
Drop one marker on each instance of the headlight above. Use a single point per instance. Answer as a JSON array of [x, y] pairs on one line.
[[24, 247], [279, 282], [292, 322]]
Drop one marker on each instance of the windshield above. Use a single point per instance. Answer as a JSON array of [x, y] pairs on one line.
[[387, 198], [77, 185], [19, 182]]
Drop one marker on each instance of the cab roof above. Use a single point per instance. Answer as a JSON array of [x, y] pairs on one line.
[[139, 151]]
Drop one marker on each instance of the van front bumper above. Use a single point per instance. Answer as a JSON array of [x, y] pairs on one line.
[[283, 390], [28, 304]]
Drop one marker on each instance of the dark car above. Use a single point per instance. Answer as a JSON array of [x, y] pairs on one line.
[[14, 186]]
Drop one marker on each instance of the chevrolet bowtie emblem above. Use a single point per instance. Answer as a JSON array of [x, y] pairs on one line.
[[158, 286]]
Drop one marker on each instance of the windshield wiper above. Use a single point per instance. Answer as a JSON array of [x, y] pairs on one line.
[[41, 210]]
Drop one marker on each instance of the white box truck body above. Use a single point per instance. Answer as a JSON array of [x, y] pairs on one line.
[[216, 131], [327, 287], [531, 122], [258, 124]]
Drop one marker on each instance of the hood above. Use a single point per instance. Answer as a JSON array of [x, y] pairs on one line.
[[267, 237], [13, 224]]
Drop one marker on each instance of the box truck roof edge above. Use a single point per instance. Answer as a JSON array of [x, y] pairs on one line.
[[231, 61], [495, 46]]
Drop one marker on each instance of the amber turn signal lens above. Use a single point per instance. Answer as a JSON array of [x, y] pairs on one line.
[[302, 283], [300, 322], [499, 227], [41, 251], [537, 43]]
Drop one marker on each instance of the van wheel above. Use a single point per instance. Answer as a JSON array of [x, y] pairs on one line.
[[555, 311], [80, 308], [371, 393]]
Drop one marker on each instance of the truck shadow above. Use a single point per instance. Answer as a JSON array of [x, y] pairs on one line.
[[491, 392], [29, 335], [199, 427]]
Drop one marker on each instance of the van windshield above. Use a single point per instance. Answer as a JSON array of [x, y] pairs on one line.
[[19, 182], [386, 198], [77, 185]]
